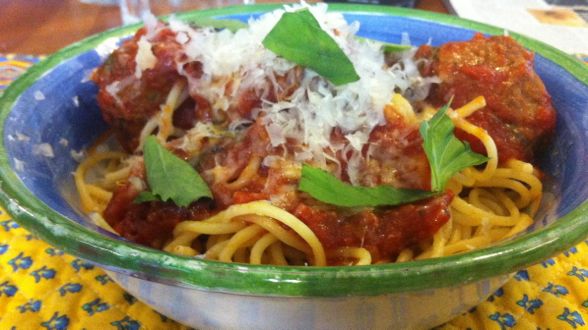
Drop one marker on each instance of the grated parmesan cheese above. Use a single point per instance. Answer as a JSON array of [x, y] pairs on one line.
[[43, 149], [39, 96], [22, 137], [115, 87], [78, 156], [113, 90], [137, 183], [18, 165], [76, 101], [105, 48], [236, 62], [145, 59]]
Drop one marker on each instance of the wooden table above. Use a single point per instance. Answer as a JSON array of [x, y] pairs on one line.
[[44, 26]]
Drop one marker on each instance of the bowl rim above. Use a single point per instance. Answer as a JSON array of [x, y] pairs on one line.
[[155, 265]]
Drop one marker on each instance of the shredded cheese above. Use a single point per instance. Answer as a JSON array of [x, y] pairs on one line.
[[43, 149], [145, 59], [236, 62]]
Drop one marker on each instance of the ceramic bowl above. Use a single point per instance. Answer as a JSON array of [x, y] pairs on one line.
[[55, 104]]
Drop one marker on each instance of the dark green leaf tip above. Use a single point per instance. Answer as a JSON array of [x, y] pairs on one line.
[[171, 178], [299, 38]]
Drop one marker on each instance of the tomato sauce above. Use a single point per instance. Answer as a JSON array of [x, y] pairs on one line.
[[384, 232], [135, 100], [149, 223], [518, 114]]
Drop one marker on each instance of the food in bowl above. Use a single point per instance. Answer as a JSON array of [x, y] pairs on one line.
[[40, 194], [266, 147]]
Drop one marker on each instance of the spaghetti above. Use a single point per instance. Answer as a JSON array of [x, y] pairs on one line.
[[500, 202], [248, 123]]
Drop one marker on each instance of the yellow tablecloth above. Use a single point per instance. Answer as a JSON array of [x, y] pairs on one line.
[[43, 288]]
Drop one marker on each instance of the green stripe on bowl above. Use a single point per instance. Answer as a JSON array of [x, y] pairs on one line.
[[284, 281]]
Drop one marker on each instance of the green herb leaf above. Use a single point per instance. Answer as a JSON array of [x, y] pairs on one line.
[[394, 48], [145, 196], [388, 47], [229, 24], [329, 189], [171, 178], [299, 38], [447, 154]]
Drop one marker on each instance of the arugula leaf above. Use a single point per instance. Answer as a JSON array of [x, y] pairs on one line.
[[171, 178], [447, 154], [299, 38], [329, 189]]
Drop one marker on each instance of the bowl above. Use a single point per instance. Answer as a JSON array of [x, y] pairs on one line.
[[50, 114]]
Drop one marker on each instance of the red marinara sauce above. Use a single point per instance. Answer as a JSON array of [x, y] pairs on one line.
[[518, 114], [384, 232], [128, 101]]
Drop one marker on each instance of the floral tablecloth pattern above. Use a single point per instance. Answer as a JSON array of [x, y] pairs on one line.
[[41, 287]]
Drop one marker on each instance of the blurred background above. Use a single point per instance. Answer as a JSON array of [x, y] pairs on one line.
[[45, 26]]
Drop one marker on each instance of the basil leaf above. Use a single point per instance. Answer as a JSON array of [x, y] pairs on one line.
[[394, 48], [329, 189], [171, 178], [145, 196], [299, 38], [230, 24], [388, 47], [447, 154]]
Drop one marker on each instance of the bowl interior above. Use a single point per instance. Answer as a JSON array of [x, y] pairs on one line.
[[59, 112], [56, 116]]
